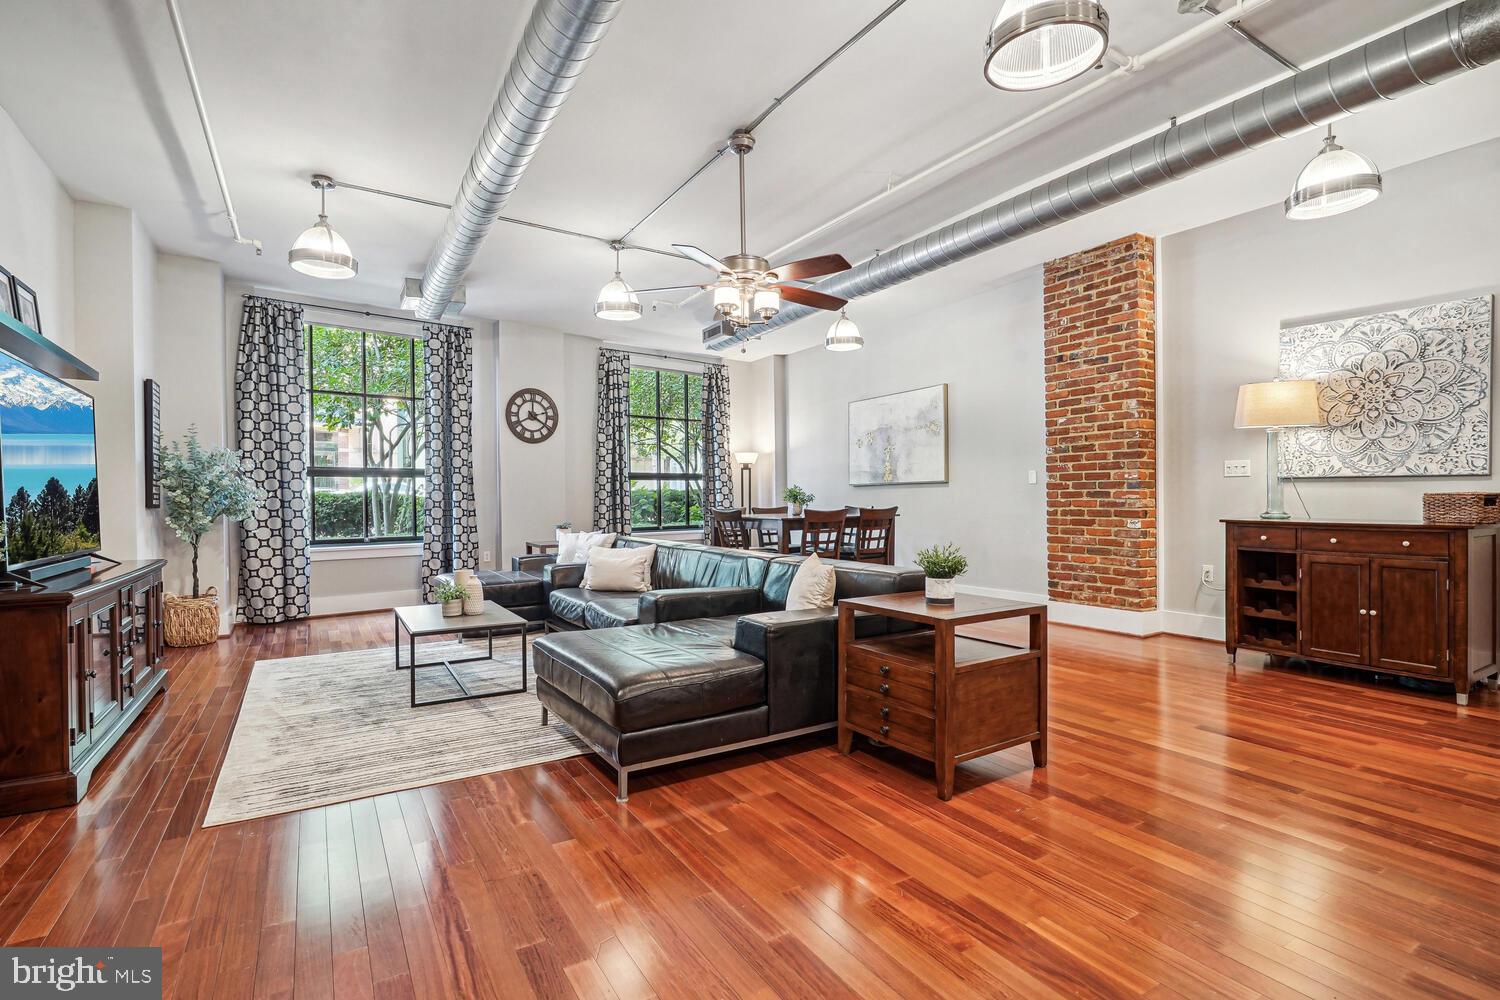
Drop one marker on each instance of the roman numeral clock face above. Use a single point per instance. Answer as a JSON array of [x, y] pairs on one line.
[[532, 415]]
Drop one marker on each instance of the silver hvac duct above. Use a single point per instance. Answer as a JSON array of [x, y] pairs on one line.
[[1463, 37], [560, 39]]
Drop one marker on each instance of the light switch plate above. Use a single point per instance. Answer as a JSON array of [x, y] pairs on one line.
[[1031, 477], [1237, 470]]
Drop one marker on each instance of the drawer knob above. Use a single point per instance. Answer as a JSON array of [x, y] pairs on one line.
[[1262, 537], [885, 730], [1333, 541], [885, 712], [1374, 613], [1406, 545], [885, 670], [885, 688]]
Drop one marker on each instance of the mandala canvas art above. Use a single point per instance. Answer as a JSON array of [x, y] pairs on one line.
[[1404, 393]]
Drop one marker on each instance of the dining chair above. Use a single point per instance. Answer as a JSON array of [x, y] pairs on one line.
[[873, 534], [768, 537], [729, 528], [823, 532], [851, 516]]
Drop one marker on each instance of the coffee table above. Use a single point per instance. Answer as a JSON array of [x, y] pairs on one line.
[[424, 620]]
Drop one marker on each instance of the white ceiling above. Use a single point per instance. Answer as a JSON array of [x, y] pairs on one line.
[[391, 94]]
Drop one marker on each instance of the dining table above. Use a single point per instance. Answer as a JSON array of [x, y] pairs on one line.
[[793, 522]]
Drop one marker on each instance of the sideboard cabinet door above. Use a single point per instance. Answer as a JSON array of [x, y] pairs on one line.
[[1336, 608], [1409, 616]]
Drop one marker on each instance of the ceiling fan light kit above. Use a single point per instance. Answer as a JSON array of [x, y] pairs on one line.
[[1335, 181], [320, 251], [1035, 44]]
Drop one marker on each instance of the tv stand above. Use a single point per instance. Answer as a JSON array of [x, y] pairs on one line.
[[81, 662]]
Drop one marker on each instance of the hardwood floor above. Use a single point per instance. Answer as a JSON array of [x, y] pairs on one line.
[[1198, 833]]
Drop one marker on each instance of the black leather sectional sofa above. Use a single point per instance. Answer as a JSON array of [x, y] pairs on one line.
[[707, 662]]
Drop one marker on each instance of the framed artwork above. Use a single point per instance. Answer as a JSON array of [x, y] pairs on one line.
[[152, 397], [7, 294], [26, 307], [1404, 392], [900, 438]]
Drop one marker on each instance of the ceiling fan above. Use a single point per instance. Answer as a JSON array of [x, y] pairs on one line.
[[748, 289]]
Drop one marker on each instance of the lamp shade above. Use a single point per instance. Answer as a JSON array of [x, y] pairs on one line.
[[1335, 181], [617, 301], [322, 253], [1293, 403], [746, 457], [1035, 44], [843, 335]]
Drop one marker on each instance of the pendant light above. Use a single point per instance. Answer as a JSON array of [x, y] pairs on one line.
[[320, 251], [1035, 44], [843, 335], [617, 300], [1335, 181]]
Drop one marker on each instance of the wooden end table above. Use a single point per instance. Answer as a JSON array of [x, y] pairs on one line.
[[534, 548], [942, 697], [425, 620]]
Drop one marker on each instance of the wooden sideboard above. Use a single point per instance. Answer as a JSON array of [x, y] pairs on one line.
[[1413, 599], [80, 658]]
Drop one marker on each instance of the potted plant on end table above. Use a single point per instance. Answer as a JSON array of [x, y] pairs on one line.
[[943, 564], [450, 594], [198, 486], [797, 498]]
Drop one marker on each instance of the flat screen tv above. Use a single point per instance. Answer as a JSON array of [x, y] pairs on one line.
[[49, 482]]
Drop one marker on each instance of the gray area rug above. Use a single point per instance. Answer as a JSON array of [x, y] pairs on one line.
[[316, 730]]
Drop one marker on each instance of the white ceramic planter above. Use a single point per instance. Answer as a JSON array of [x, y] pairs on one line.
[[452, 609], [941, 591], [473, 591]]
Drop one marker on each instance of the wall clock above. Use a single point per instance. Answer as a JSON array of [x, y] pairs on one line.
[[531, 415]]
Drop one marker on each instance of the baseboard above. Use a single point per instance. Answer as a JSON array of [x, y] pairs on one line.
[[343, 604], [1192, 624], [1133, 623]]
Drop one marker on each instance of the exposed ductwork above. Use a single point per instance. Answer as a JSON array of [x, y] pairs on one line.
[[1453, 41], [560, 39]]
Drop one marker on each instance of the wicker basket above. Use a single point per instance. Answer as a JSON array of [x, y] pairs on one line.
[[192, 621], [1461, 508]]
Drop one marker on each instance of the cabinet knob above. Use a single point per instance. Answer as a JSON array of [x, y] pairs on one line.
[[1333, 541], [1374, 613], [1363, 611], [885, 730], [91, 674], [1406, 545], [885, 712], [885, 670], [1262, 537], [885, 689]]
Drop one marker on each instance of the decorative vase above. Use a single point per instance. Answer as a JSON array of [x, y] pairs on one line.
[[453, 608], [941, 591], [796, 510], [473, 591]]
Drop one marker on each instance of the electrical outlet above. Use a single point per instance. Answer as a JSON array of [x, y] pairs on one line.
[[1237, 470], [1207, 574], [485, 557]]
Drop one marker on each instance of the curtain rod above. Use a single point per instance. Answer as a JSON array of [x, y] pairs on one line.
[[355, 312], [644, 352]]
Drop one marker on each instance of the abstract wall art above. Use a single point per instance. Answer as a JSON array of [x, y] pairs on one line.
[[900, 438]]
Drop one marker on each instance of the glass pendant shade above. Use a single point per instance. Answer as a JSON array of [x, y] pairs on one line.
[[1335, 181], [617, 301], [322, 253], [843, 335], [1035, 44]]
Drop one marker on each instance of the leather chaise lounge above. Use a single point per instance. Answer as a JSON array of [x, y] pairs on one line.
[[707, 663]]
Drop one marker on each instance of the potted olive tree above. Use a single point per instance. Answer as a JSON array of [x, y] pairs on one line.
[[797, 497], [943, 564], [198, 486]]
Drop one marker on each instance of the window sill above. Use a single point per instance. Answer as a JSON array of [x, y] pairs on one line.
[[669, 533], [395, 550]]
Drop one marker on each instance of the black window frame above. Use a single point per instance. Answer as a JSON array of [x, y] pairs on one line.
[[364, 472], [694, 481]]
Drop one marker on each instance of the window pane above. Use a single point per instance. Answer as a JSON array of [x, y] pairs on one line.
[[643, 505], [643, 392], [388, 364], [642, 445], [419, 373], [695, 504], [392, 502], [337, 431], [674, 502], [336, 362], [695, 449], [673, 391], [695, 397], [338, 508], [392, 434], [673, 446]]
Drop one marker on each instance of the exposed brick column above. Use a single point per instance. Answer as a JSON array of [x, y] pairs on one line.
[[1100, 369]]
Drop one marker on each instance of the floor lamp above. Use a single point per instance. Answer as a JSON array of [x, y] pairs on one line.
[[746, 459], [1272, 406]]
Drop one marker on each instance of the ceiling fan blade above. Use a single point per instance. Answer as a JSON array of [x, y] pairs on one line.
[[666, 288], [702, 256], [811, 267], [808, 297]]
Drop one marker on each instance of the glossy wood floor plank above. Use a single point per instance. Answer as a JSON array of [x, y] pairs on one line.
[[1201, 832]]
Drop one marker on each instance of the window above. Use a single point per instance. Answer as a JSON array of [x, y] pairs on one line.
[[367, 450], [666, 449]]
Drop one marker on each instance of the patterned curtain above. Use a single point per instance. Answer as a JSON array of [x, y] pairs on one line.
[[612, 444], [450, 525], [270, 403], [718, 470]]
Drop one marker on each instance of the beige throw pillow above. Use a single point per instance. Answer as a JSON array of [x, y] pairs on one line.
[[812, 586], [619, 569]]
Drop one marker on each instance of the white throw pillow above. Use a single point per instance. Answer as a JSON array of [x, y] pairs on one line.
[[619, 569], [573, 546], [812, 586]]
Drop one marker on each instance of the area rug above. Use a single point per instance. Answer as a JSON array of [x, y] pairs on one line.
[[316, 730]]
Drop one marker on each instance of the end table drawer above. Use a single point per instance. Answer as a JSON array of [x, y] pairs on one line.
[[874, 671], [889, 720]]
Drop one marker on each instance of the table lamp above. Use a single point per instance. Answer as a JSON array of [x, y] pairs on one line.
[[746, 459], [1273, 406]]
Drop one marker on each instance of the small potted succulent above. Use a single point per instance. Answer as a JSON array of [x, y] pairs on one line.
[[450, 594], [943, 564], [798, 498]]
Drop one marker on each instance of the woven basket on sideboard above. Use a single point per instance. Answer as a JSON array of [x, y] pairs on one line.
[[1461, 508]]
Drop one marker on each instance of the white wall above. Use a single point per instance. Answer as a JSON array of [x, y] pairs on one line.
[[1226, 291], [988, 348], [752, 424], [36, 231]]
